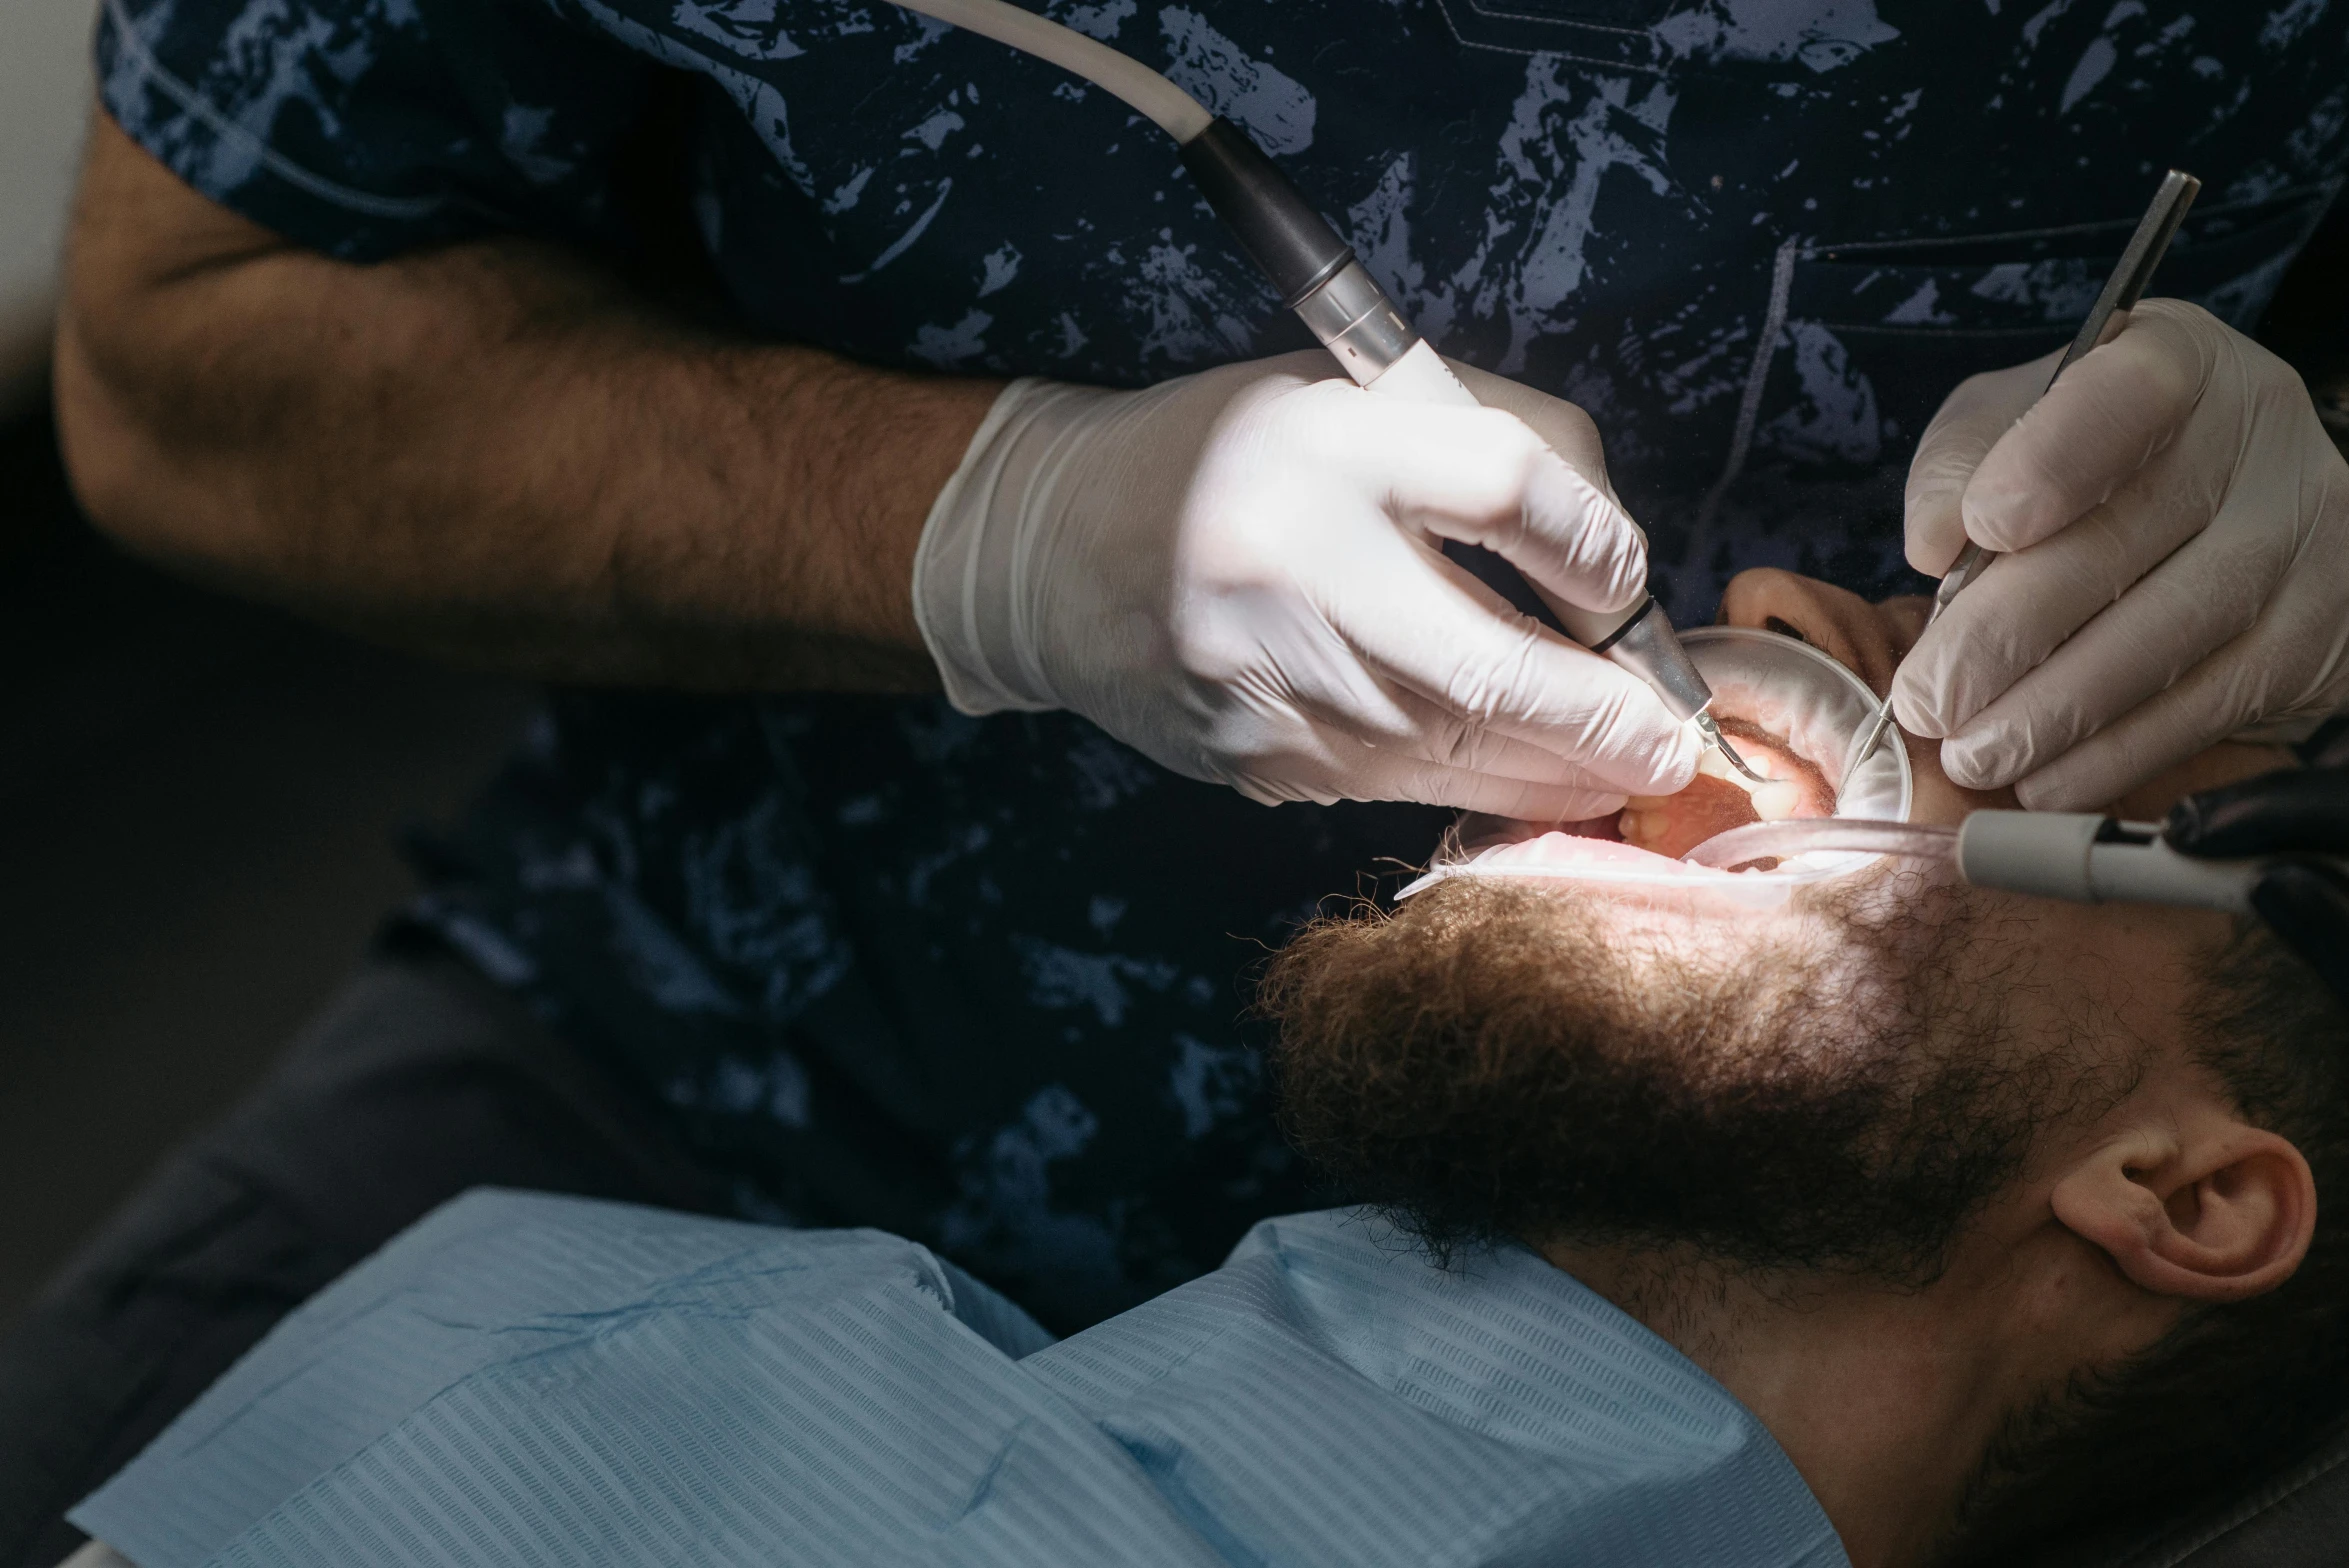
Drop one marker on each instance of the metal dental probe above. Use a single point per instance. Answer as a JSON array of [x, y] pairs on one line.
[[1317, 276], [2121, 292]]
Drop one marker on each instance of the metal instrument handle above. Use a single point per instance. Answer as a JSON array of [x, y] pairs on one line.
[[2130, 277], [2122, 290]]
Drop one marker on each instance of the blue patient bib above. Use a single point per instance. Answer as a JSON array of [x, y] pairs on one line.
[[524, 1379]]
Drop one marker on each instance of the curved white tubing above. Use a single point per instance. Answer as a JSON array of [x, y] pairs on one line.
[[1798, 836], [1179, 114]]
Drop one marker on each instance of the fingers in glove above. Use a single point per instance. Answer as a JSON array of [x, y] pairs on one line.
[[2294, 809], [2126, 400], [2207, 705], [1439, 735], [1437, 632], [1406, 730], [1563, 427], [2026, 605], [2184, 612], [1373, 732], [2307, 906], [1520, 800], [1374, 773], [1967, 425], [1483, 476]]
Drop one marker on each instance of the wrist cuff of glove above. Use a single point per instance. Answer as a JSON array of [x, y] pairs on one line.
[[965, 602]]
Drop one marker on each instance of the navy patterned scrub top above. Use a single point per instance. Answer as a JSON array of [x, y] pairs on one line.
[[982, 981]]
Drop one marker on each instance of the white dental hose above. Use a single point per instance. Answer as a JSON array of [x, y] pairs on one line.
[[2081, 858], [1317, 276], [1802, 835], [1122, 76]]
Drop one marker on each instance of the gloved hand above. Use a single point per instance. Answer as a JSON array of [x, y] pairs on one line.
[[2179, 523], [2296, 811], [1238, 574]]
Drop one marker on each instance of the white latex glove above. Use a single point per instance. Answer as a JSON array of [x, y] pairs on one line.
[[2177, 529], [1238, 574]]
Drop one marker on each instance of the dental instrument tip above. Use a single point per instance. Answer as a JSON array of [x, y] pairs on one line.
[[1711, 730], [1867, 747]]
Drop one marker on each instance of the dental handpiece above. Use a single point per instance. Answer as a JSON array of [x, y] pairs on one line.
[[1318, 277], [1353, 318], [2122, 289], [2078, 857]]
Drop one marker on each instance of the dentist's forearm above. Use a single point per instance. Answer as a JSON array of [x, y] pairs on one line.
[[492, 452]]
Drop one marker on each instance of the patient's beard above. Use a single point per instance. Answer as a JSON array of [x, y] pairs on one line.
[[1495, 1061]]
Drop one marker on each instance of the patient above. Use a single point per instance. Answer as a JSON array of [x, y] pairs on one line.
[[2001, 1214], [1903, 1221]]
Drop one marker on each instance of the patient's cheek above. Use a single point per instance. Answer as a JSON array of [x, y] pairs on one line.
[[1718, 799]]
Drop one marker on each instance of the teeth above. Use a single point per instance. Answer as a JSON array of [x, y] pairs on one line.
[[1776, 802], [1711, 763], [1646, 820]]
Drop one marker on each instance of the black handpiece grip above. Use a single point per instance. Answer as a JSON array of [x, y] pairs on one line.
[[1298, 252], [2293, 812], [2303, 810], [1274, 223]]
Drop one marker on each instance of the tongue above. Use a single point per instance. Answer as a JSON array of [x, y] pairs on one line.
[[1716, 801], [1675, 824]]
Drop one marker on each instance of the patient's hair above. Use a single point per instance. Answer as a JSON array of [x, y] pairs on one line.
[[2233, 1390]]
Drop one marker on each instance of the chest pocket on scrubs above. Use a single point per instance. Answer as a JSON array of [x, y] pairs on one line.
[[1607, 32], [1877, 332]]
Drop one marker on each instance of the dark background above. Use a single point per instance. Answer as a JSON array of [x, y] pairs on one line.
[[198, 804]]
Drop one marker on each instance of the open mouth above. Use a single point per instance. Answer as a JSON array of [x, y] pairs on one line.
[[1719, 799], [1793, 714], [1645, 840]]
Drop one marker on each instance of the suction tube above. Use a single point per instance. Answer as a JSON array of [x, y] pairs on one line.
[[1122, 76], [1799, 836], [1280, 230], [2091, 859], [2080, 858]]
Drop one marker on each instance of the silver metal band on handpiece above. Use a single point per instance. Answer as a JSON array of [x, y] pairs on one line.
[[1649, 650], [1355, 320]]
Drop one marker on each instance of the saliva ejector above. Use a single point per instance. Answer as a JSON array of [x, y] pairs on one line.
[[2079, 857]]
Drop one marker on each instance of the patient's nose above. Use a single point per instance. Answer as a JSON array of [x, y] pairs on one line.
[[1847, 628]]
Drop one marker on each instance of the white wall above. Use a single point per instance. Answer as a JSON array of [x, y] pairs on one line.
[[44, 105]]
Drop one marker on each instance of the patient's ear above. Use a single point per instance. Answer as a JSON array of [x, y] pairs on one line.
[[2209, 1208]]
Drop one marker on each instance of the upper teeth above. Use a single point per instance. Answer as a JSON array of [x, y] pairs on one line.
[[1774, 801]]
